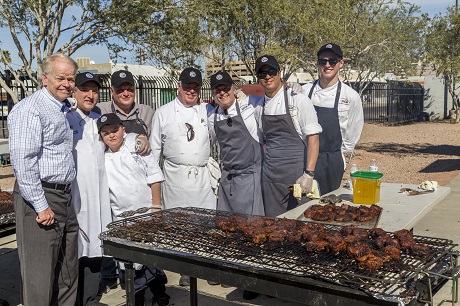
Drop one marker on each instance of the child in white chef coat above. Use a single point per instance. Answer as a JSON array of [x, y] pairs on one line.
[[134, 182]]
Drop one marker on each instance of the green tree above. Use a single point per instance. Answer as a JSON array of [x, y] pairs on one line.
[[40, 28], [443, 51]]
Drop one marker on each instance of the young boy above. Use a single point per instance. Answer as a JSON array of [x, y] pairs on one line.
[[134, 182]]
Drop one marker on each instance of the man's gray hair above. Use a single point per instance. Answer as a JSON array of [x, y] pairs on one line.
[[49, 61]]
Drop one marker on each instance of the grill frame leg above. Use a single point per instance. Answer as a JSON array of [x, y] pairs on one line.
[[129, 284], [193, 291]]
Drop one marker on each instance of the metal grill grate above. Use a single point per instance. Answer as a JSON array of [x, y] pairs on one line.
[[193, 231]]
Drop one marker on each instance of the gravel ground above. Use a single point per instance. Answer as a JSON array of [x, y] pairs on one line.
[[408, 154], [412, 153]]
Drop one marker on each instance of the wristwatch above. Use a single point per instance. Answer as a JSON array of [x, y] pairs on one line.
[[310, 173]]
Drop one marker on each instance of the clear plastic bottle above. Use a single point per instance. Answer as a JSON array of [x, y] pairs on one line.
[[353, 169], [373, 167]]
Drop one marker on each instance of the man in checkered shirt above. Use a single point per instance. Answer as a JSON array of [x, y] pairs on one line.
[[41, 143]]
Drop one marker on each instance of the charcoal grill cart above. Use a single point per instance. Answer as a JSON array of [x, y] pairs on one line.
[[187, 241]]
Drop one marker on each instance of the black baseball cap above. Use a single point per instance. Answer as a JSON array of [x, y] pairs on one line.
[[84, 77], [221, 78], [331, 47], [107, 119], [121, 76], [267, 60], [191, 75]]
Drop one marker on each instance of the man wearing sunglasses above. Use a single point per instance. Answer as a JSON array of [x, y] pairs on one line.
[[180, 134], [137, 118], [340, 113], [290, 129], [234, 126]]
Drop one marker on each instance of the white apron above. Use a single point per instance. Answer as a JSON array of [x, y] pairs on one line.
[[187, 182], [126, 177], [90, 190]]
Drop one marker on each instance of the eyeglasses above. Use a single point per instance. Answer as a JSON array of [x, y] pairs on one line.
[[188, 87], [332, 61], [190, 132], [229, 119], [121, 90], [224, 89], [271, 72]]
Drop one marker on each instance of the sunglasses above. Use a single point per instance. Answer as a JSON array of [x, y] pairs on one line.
[[190, 132], [188, 87], [271, 72], [332, 61]]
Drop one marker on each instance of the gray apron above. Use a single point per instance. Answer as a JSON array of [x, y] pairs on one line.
[[329, 167], [285, 161], [240, 187], [136, 126]]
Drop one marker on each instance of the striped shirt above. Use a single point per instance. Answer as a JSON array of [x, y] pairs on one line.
[[41, 142]]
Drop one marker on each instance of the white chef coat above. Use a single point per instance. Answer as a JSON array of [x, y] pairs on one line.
[[247, 113], [129, 175], [90, 190], [351, 117], [301, 109], [187, 182]]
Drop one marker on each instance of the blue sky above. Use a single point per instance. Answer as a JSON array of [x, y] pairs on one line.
[[100, 54]]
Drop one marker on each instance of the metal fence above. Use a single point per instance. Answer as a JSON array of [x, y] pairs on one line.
[[393, 102]]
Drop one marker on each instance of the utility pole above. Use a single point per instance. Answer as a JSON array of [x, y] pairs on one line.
[[141, 56]]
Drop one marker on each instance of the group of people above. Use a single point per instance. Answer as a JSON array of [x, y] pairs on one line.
[[79, 165]]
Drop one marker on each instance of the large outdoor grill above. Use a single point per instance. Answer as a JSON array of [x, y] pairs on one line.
[[186, 240]]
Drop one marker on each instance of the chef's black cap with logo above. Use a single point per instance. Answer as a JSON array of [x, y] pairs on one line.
[[221, 78], [332, 48], [267, 60], [84, 77], [107, 119], [191, 75], [120, 77]]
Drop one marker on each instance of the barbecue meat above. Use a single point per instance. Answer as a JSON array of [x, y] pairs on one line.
[[419, 250], [316, 246], [358, 249], [393, 252], [370, 262]]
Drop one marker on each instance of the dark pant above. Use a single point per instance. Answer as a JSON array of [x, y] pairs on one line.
[[47, 254], [88, 280]]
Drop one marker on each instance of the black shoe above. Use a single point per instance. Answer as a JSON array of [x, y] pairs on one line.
[[139, 298], [249, 295], [107, 284], [213, 283], [184, 280], [4, 303], [162, 300], [225, 286]]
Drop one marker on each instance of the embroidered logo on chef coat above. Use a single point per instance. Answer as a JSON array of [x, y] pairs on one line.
[[344, 101], [329, 46], [89, 75], [122, 75], [103, 119], [219, 77], [192, 74], [264, 59], [244, 107]]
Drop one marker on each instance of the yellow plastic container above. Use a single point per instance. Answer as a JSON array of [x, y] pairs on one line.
[[366, 187]]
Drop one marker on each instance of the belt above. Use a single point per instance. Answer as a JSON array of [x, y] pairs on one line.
[[56, 186]]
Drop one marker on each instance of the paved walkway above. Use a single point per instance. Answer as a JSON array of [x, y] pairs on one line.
[[442, 222]]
